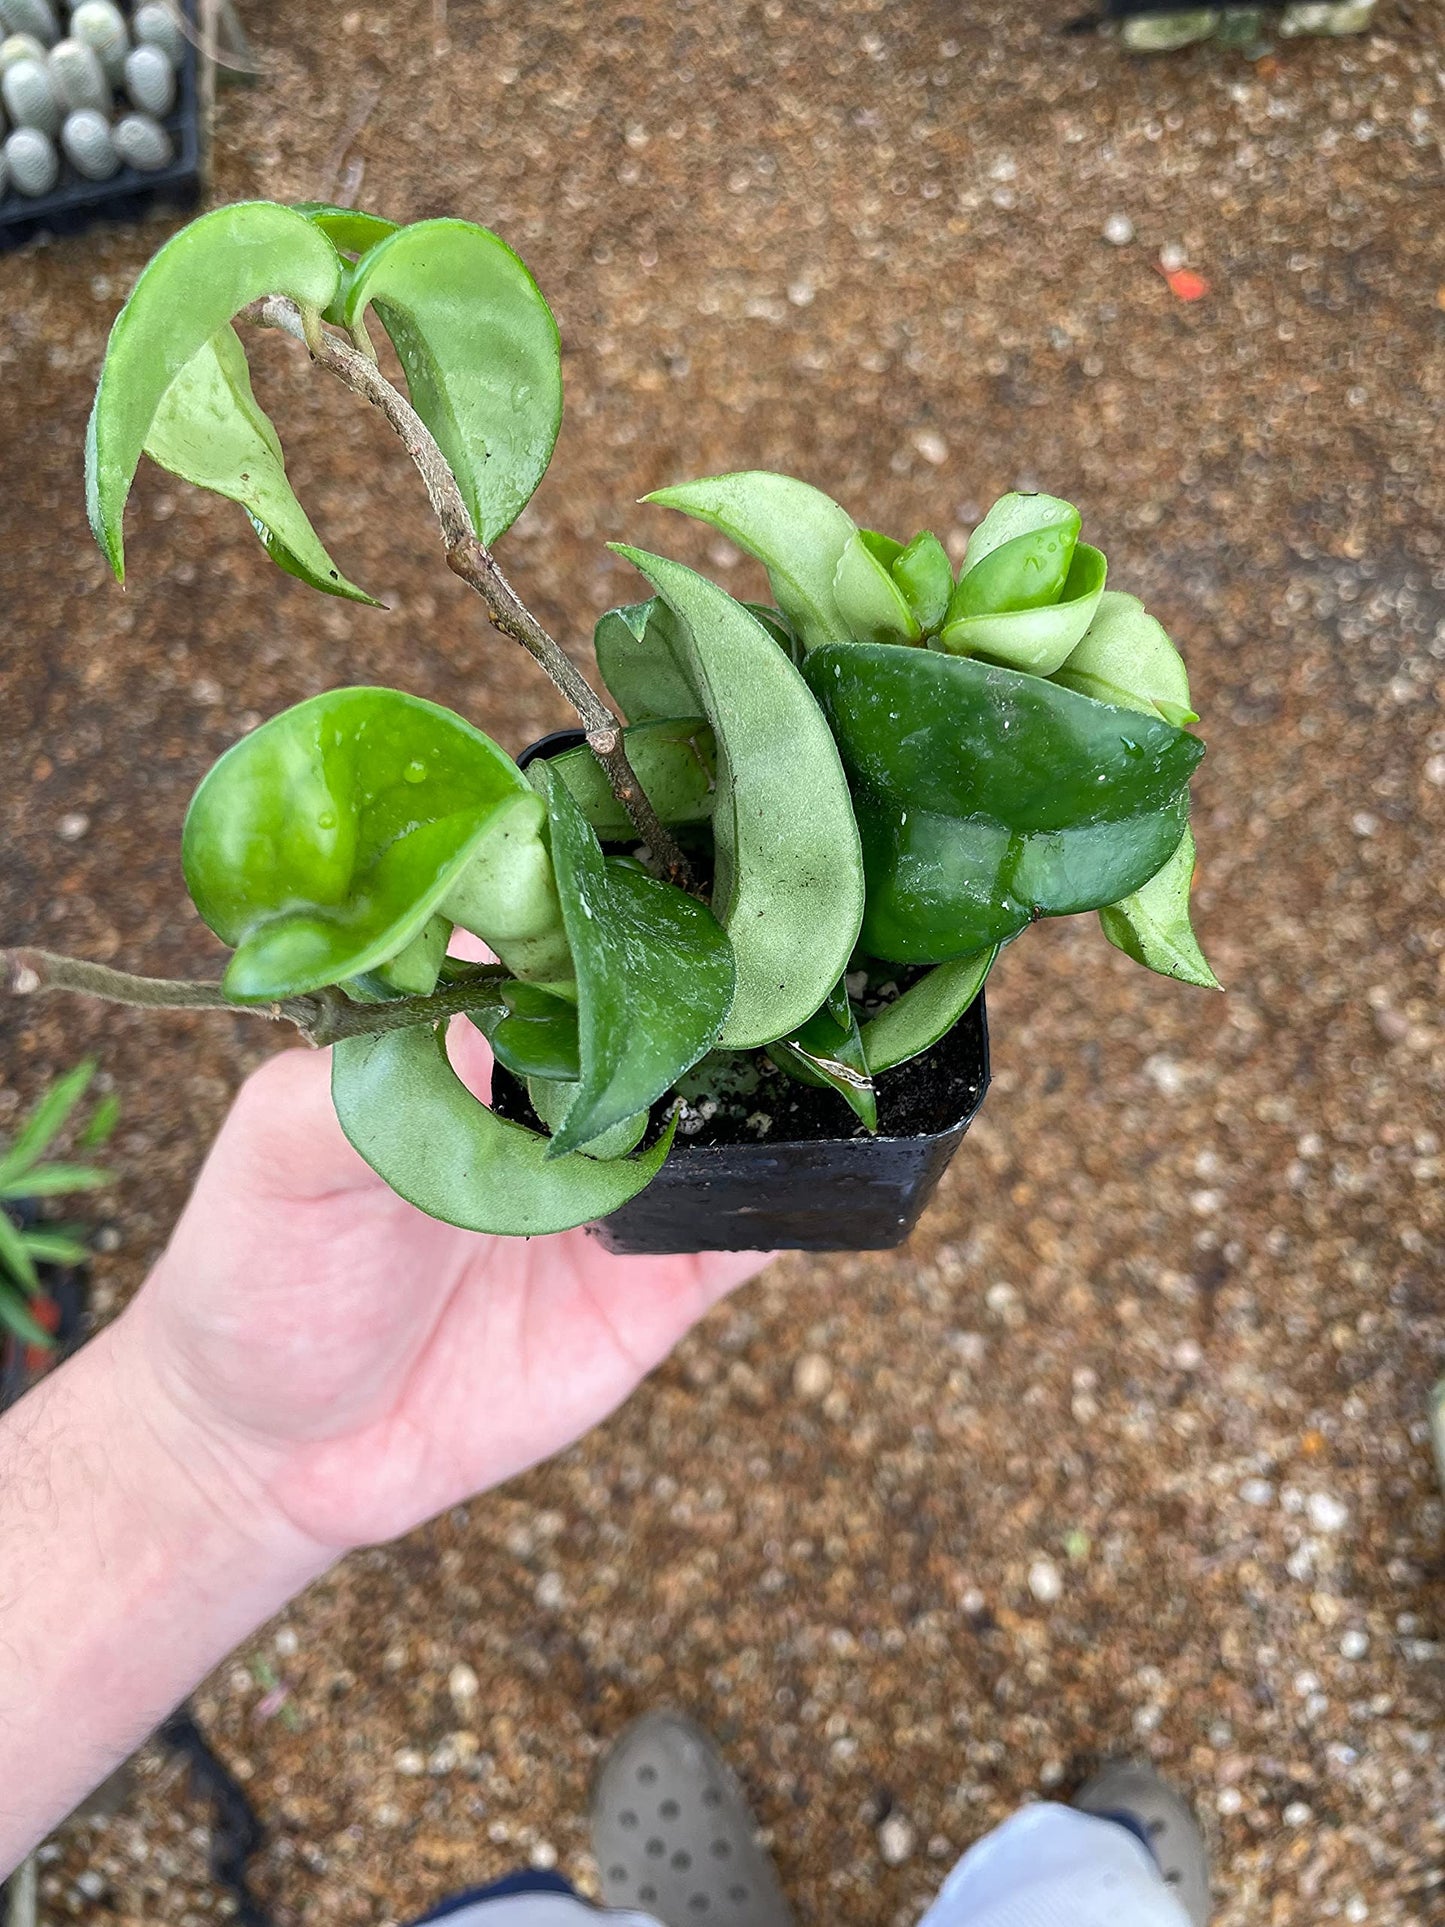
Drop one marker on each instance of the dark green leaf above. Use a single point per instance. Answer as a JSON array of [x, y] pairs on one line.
[[210, 430], [481, 356], [797, 532], [417, 1125], [1152, 926], [924, 1012], [47, 1120], [654, 976], [675, 762], [199, 280], [638, 661], [320, 845], [534, 1033], [986, 798], [788, 885]]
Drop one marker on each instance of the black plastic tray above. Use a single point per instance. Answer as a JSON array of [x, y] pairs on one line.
[[77, 204]]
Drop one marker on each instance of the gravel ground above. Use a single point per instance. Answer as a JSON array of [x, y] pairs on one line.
[[1127, 1449]]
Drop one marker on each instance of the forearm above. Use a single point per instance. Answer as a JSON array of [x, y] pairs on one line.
[[131, 1561]]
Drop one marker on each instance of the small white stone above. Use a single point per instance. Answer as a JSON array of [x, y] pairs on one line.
[[463, 1685], [1364, 823], [1119, 230], [409, 1761], [812, 1377], [801, 292], [1046, 1582], [931, 446], [1327, 1513], [1188, 1355], [551, 1593], [1297, 1814], [543, 1855], [1354, 1644], [72, 826], [1230, 1800], [1435, 771], [91, 1883], [1172, 257], [1256, 1492], [286, 1642], [896, 1839]]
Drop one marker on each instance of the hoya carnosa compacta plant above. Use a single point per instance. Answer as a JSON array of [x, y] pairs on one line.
[[819, 823]]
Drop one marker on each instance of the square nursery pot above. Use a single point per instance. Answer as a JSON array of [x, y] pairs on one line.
[[818, 1181]]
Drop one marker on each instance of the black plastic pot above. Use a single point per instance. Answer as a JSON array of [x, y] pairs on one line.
[[824, 1184], [75, 203]]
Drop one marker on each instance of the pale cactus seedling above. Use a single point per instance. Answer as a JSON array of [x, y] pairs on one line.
[[86, 140], [33, 163]]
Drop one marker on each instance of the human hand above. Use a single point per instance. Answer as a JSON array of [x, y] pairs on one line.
[[338, 1355]]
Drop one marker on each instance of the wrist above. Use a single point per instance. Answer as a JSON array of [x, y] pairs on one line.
[[200, 1494]]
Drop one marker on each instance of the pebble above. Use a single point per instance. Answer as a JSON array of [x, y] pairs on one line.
[[463, 1686], [896, 1839], [931, 446], [1327, 1513], [1046, 1582], [551, 1593], [1354, 1644], [1172, 257], [812, 1376], [1119, 230], [72, 826], [410, 1761]]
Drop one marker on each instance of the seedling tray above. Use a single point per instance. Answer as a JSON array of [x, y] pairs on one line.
[[76, 204]]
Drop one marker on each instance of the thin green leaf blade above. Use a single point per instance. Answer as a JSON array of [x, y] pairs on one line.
[[198, 282], [655, 976], [481, 354], [54, 1180], [210, 430], [103, 1121], [55, 1247], [409, 1115], [16, 1257], [1152, 926], [47, 1120], [17, 1319], [828, 1052], [788, 885], [796, 531], [321, 844]]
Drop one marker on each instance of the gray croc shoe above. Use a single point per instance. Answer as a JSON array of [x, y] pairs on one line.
[[1131, 1792], [673, 1834]]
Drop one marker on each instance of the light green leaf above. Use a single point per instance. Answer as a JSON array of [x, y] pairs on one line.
[[53, 1180], [481, 355], [1036, 640], [1152, 926], [352, 233], [55, 1247], [1126, 658], [552, 1100], [788, 885], [1018, 557], [925, 575], [926, 1011], [797, 532], [199, 280], [638, 661], [210, 430], [654, 970], [102, 1123], [416, 1124], [868, 599], [675, 762], [47, 1120]]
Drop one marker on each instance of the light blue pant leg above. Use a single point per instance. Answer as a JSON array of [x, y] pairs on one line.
[[1050, 1866]]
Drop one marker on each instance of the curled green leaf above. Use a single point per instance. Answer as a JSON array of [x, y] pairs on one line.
[[1152, 925], [480, 352], [1028, 589], [352, 233], [788, 883], [925, 575], [796, 531], [868, 599], [409, 1115], [210, 430], [186, 294], [1127, 658], [552, 1101], [321, 844]]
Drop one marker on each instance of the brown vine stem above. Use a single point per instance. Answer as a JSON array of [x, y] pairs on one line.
[[469, 558], [323, 1017]]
